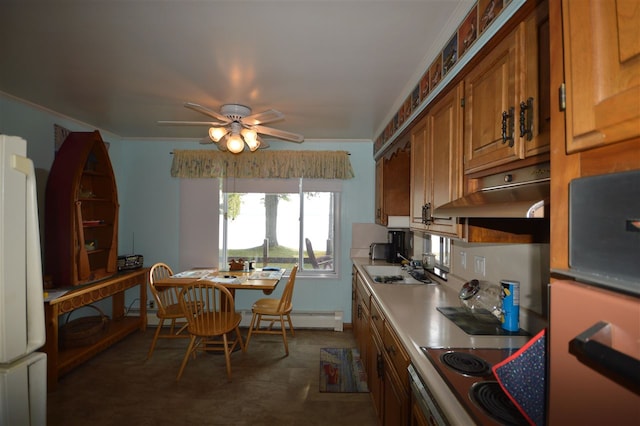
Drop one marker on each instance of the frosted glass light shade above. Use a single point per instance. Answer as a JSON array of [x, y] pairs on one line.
[[251, 138], [235, 144], [216, 133]]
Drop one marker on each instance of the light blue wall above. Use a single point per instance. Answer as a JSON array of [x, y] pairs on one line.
[[149, 196]]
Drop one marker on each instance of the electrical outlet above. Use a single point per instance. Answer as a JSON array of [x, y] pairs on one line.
[[463, 260], [479, 265]]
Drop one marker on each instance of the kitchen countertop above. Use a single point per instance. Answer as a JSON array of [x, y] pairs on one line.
[[411, 312]]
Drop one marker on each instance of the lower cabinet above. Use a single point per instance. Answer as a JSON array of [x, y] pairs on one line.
[[384, 358], [396, 398], [396, 379], [391, 381], [376, 375]]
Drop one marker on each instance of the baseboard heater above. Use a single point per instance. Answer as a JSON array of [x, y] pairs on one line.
[[301, 319]]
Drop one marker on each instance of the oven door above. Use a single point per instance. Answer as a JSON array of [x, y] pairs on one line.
[[423, 402]]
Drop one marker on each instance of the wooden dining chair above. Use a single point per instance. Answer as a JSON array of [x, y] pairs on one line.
[[273, 310], [167, 300], [211, 314]]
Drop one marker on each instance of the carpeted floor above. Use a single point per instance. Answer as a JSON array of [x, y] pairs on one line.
[[120, 387]]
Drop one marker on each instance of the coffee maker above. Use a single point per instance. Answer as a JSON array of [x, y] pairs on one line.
[[399, 241]]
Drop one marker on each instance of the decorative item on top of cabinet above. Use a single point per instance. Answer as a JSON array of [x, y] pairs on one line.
[[81, 213], [602, 71], [506, 98], [393, 184]]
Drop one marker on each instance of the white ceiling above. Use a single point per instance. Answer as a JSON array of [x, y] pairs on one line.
[[336, 69]]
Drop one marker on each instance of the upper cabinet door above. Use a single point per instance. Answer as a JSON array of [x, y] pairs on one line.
[[444, 136], [490, 109], [381, 218], [419, 154], [602, 71], [534, 109], [507, 111]]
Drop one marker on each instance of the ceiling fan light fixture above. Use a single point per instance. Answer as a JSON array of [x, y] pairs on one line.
[[251, 138], [236, 126], [217, 133], [235, 144]]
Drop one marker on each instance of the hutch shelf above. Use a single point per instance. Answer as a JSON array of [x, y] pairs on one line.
[[81, 213]]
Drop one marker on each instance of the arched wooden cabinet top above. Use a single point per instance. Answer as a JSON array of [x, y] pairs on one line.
[[81, 213]]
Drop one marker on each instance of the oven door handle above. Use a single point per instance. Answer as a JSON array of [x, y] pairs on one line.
[[593, 347]]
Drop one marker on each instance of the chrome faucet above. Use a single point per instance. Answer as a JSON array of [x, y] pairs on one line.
[[410, 262]]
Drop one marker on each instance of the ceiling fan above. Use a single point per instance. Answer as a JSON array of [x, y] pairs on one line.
[[235, 126]]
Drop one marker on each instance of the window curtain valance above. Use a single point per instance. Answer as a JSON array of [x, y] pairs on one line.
[[262, 164]]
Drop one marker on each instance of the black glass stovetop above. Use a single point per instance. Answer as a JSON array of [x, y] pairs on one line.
[[478, 324]]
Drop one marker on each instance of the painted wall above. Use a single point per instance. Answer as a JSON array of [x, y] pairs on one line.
[[149, 196]]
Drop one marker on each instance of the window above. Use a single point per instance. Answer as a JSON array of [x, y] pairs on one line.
[[280, 222], [441, 247]]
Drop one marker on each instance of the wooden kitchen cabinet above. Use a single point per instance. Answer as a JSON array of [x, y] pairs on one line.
[[392, 185], [602, 72], [396, 380], [436, 164], [586, 142], [389, 382], [81, 213], [361, 314], [419, 204], [444, 142], [376, 357], [385, 358], [506, 112]]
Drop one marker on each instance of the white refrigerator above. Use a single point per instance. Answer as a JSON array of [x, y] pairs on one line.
[[23, 370]]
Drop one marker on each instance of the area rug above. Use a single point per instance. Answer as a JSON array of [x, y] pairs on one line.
[[342, 371]]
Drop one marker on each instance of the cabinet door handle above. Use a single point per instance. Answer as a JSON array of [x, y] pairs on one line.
[[426, 215], [379, 365], [507, 126], [526, 119], [593, 348]]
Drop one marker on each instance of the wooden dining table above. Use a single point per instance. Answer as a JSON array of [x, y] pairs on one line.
[[232, 280]]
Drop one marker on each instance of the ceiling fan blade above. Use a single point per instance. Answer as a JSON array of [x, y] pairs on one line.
[[280, 134], [205, 141], [191, 123], [263, 144], [207, 111], [263, 117]]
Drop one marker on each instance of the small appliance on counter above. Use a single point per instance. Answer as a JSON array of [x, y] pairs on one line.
[[379, 251], [399, 242], [130, 262]]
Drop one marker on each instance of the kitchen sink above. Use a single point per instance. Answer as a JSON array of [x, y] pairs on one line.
[[389, 274]]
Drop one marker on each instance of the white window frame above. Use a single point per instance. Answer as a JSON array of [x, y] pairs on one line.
[[299, 185]]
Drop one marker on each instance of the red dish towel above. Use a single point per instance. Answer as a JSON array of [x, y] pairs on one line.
[[522, 377]]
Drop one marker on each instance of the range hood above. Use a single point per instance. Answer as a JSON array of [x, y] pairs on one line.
[[522, 193]]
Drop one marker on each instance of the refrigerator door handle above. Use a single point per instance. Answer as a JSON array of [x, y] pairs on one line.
[[593, 347], [36, 334]]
